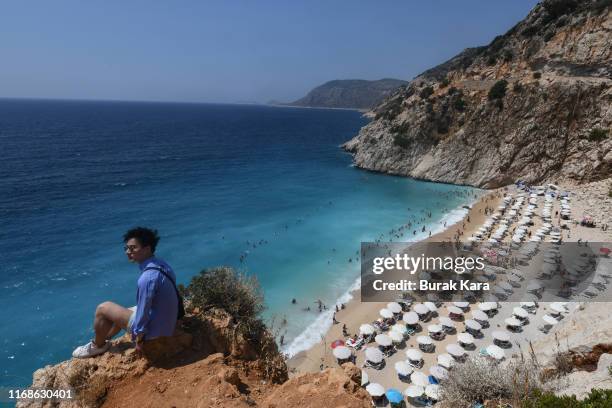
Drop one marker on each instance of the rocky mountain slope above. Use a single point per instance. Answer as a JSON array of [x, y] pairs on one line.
[[350, 93], [534, 104]]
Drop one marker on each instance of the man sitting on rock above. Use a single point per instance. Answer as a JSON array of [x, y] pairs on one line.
[[157, 308]]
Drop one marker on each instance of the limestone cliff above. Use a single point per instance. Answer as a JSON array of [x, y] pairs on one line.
[[534, 104]]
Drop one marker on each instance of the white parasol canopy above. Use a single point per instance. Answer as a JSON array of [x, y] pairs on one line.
[[445, 360], [386, 313], [549, 319], [473, 324], [395, 336], [375, 390], [366, 329], [528, 304], [558, 307], [480, 315], [400, 328], [485, 306], [424, 340], [383, 340], [520, 312], [364, 378], [465, 338], [341, 352], [394, 307], [431, 306], [513, 322], [403, 368], [433, 391], [421, 309], [455, 310], [434, 328], [418, 378], [438, 372], [462, 305], [374, 355], [414, 355], [501, 335], [411, 318], [505, 286], [446, 322], [496, 352], [455, 350], [414, 391]]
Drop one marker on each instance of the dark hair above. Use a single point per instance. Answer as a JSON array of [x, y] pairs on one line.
[[145, 236]]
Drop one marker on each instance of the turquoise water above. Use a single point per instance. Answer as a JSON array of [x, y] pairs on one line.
[[217, 181]]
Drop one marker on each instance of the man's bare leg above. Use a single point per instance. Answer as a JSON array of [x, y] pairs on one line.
[[110, 318]]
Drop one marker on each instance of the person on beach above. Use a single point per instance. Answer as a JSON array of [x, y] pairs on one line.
[[157, 309]]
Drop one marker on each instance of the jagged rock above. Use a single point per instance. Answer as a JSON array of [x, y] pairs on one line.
[[559, 75]]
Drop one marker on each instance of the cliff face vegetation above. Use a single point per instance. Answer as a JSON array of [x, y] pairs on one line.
[[534, 104]]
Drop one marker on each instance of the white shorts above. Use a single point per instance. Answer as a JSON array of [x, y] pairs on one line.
[[132, 317]]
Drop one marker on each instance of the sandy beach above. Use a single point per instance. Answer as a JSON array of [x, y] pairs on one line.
[[356, 313]]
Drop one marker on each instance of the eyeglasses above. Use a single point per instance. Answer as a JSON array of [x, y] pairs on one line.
[[131, 248]]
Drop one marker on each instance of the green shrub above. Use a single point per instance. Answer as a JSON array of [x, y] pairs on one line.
[[557, 8], [598, 134], [452, 90], [444, 83], [507, 56], [530, 31], [426, 92], [537, 75], [595, 399], [401, 141], [491, 60], [548, 35], [459, 104], [237, 294], [498, 90], [517, 87]]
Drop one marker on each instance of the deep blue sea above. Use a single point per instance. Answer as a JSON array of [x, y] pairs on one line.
[[217, 181]]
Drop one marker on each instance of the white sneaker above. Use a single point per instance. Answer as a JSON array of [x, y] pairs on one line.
[[90, 350]]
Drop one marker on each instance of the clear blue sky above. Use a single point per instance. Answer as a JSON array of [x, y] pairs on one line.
[[231, 51]]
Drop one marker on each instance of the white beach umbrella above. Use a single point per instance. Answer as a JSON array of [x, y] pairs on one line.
[[414, 355], [473, 325], [433, 391], [383, 340], [447, 322], [394, 307], [558, 307], [399, 328], [431, 306], [375, 390], [496, 352], [410, 318], [366, 329], [341, 352], [479, 315], [396, 336], [374, 355], [421, 309], [528, 304], [465, 338], [520, 312], [454, 310], [461, 305], [485, 306], [549, 319], [434, 328], [501, 335], [513, 322], [386, 313], [425, 340], [506, 286], [455, 350], [445, 360], [418, 378], [364, 378], [414, 391], [439, 372], [403, 368]]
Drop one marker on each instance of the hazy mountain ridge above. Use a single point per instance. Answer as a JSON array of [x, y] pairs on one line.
[[349, 93]]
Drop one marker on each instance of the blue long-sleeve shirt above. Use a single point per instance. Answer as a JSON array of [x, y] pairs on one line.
[[157, 304]]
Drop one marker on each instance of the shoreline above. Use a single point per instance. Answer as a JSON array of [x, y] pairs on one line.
[[355, 312]]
